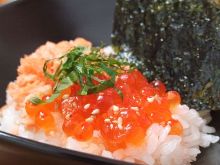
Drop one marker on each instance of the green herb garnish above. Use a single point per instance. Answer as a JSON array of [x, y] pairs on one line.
[[81, 66], [36, 100]]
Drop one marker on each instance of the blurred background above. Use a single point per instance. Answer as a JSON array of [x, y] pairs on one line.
[[27, 24], [2, 2]]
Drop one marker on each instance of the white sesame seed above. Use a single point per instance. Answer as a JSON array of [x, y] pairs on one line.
[[74, 105], [107, 120], [115, 121], [115, 108], [65, 101], [150, 99], [93, 116], [135, 108], [120, 121], [86, 106], [47, 97], [95, 111], [65, 96], [124, 113], [138, 113], [116, 78], [163, 123], [120, 127], [158, 98], [89, 119], [100, 97], [111, 126], [123, 108], [41, 114], [68, 116]]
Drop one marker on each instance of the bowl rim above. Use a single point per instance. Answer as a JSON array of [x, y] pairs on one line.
[[11, 3], [58, 151]]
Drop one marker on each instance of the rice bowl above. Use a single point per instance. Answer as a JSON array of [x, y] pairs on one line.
[[158, 147]]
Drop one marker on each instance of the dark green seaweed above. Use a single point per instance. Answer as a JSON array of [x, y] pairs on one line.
[[179, 42]]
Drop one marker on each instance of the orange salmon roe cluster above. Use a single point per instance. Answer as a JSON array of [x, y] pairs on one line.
[[120, 121]]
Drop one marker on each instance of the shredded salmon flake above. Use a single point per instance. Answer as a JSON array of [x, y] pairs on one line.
[[31, 80]]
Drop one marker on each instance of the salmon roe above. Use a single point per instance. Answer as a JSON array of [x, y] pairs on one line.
[[120, 121]]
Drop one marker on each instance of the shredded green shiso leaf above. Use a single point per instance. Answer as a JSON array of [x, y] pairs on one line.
[[81, 66]]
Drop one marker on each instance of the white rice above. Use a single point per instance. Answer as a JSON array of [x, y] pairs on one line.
[[159, 147]]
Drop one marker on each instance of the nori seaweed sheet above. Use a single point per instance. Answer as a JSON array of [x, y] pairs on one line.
[[179, 42]]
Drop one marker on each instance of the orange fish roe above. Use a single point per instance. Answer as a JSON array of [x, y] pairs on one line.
[[120, 121]]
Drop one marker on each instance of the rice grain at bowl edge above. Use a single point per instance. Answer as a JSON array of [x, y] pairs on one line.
[[159, 146]]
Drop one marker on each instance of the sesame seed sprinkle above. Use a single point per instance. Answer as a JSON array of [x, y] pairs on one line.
[[74, 105], [120, 121], [124, 113], [86, 106], [158, 98], [150, 99], [123, 108], [42, 115], [138, 113], [89, 119], [100, 97], [115, 108], [65, 96], [95, 112], [107, 120], [68, 116], [115, 121], [135, 108], [47, 97]]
